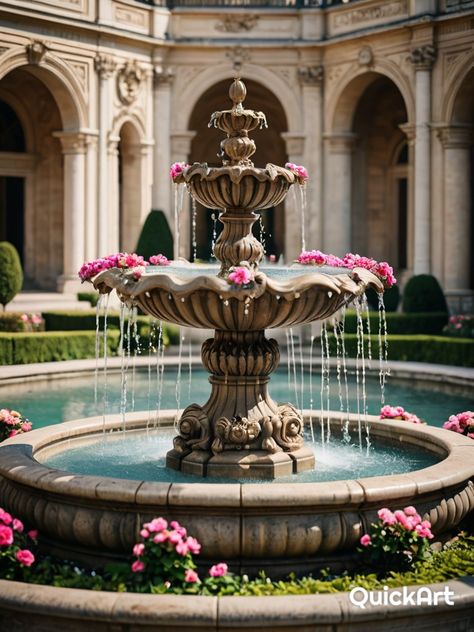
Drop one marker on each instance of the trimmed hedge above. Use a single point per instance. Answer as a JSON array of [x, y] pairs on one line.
[[11, 273], [431, 323], [84, 320], [433, 349], [24, 348], [11, 321], [423, 293], [155, 236], [89, 297]]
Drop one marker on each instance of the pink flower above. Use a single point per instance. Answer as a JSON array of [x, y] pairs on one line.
[[6, 535], [26, 426], [218, 570], [193, 545], [159, 260], [182, 548], [175, 537], [366, 540], [138, 566], [157, 524], [177, 169], [177, 527], [13, 433], [161, 537], [403, 520], [18, 525], [138, 272], [36, 319], [410, 511], [5, 517], [24, 318], [138, 549], [386, 516], [33, 534], [240, 276], [190, 576], [300, 171], [312, 257], [144, 533], [25, 557], [424, 529]]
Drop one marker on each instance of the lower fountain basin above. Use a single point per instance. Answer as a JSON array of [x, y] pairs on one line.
[[277, 527]]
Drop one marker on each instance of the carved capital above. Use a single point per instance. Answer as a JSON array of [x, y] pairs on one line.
[[341, 143], [36, 51], [311, 75], [423, 57], [104, 65], [455, 136], [72, 142], [162, 76], [410, 132], [129, 81]]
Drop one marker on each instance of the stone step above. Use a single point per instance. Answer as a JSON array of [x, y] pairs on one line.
[[45, 301]]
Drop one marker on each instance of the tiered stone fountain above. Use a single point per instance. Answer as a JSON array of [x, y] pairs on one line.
[[240, 431]]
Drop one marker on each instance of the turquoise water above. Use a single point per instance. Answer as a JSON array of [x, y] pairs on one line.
[[143, 458], [52, 402]]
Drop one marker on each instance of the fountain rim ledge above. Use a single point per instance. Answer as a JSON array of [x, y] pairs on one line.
[[19, 465]]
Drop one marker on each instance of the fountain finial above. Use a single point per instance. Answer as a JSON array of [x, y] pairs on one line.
[[237, 94]]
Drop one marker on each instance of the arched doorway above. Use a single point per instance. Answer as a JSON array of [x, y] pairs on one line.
[[32, 174], [130, 183], [270, 148]]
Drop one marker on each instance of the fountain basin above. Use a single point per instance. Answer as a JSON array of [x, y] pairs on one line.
[[277, 527]]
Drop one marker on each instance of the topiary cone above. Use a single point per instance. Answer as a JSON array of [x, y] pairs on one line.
[[11, 273]]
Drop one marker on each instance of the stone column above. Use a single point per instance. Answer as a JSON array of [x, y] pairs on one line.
[[457, 142], [180, 151], [74, 149], [337, 220], [161, 192], [112, 214], [105, 67], [311, 78], [410, 132], [422, 58], [91, 198]]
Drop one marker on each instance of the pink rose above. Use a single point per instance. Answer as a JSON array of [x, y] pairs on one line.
[[144, 533], [177, 168], [193, 545], [25, 557], [177, 527], [138, 566], [138, 549], [175, 537], [26, 426], [218, 570], [5, 517], [157, 524], [18, 525], [366, 540], [6, 535], [160, 537], [386, 516], [33, 534], [159, 260], [24, 318], [403, 520], [240, 276], [182, 548], [190, 576]]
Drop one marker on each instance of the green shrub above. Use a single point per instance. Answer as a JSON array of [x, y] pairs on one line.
[[25, 348], [11, 321], [432, 349], [461, 326], [423, 293], [391, 298], [11, 273], [89, 297], [155, 237], [431, 323]]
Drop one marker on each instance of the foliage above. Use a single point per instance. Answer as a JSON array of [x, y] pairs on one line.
[[11, 273], [398, 540], [404, 324], [391, 298], [16, 321], [155, 236], [89, 297], [423, 293], [24, 348], [12, 423], [432, 349], [15, 543], [460, 327]]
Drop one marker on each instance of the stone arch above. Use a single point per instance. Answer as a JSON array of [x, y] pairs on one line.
[[135, 120], [60, 80], [453, 88], [198, 86]]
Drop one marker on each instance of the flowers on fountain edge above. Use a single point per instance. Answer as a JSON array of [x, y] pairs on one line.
[[398, 412], [13, 545], [12, 423], [177, 169], [380, 268], [399, 539], [462, 423], [300, 172], [240, 275], [123, 261]]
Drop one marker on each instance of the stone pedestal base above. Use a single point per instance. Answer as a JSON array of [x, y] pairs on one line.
[[242, 463]]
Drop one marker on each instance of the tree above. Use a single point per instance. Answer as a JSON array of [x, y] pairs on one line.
[[11, 273]]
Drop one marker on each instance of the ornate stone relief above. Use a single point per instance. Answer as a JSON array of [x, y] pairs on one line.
[[129, 81], [162, 75], [366, 56], [36, 51], [81, 73], [423, 57], [237, 23], [238, 56], [311, 75], [105, 65], [451, 60]]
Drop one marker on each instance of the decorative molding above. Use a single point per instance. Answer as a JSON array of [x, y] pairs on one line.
[[341, 143], [129, 81], [423, 57], [455, 136], [81, 72], [238, 56], [237, 23], [311, 75], [343, 21], [105, 65], [334, 73], [36, 52], [451, 60], [72, 142], [409, 129], [365, 56], [162, 76]]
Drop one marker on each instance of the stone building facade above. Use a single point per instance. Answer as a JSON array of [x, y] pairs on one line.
[[375, 98]]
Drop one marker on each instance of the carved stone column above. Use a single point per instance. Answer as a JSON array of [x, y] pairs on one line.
[[457, 143], [337, 219], [423, 58], [311, 79], [74, 149], [105, 66], [161, 192]]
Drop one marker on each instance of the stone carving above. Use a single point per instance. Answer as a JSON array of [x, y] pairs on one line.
[[311, 75], [423, 57], [238, 56], [104, 65], [237, 433], [162, 75], [193, 430], [81, 72], [129, 81], [36, 51], [366, 56], [382, 12], [237, 23]]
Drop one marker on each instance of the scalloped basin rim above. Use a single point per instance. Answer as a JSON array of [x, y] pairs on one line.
[[236, 173]]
